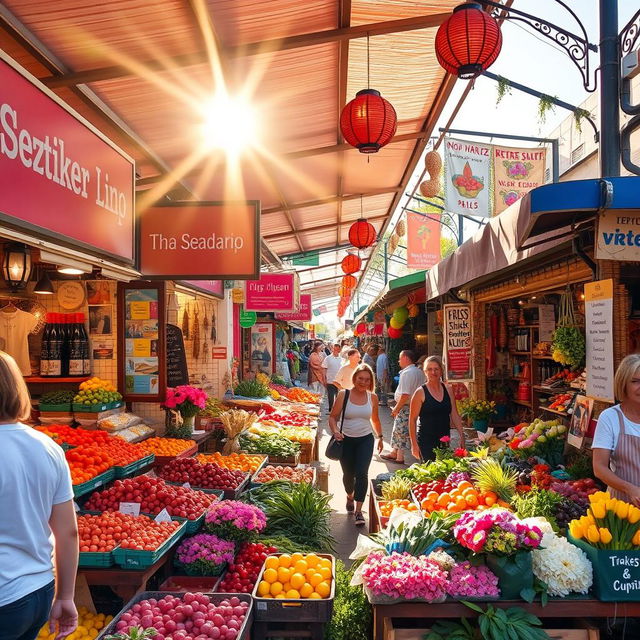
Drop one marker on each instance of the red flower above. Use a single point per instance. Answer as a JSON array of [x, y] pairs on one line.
[[514, 444], [541, 467], [460, 452], [445, 439]]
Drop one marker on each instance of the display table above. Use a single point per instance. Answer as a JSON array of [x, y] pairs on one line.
[[556, 608], [201, 439], [126, 583]]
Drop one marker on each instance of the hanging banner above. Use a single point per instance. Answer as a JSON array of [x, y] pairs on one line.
[[516, 172], [618, 236], [598, 308], [273, 292], [423, 241], [301, 314], [467, 177], [457, 342]]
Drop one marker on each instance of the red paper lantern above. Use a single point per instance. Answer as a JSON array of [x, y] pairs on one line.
[[351, 263], [394, 333], [361, 328], [468, 42], [344, 292], [368, 122], [362, 234], [349, 282]]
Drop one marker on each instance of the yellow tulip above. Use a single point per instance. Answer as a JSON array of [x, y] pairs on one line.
[[622, 510], [634, 514], [599, 510], [605, 535], [593, 535], [636, 538], [612, 504], [599, 496], [589, 519], [576, 529]]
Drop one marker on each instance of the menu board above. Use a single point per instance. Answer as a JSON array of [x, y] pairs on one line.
[[177, 371], [141, 333]]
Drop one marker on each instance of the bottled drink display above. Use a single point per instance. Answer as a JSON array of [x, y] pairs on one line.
[[65, 346]]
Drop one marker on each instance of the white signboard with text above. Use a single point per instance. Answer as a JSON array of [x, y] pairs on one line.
[[598, 304]]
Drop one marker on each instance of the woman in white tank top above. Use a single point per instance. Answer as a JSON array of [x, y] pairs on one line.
[[361, 422]]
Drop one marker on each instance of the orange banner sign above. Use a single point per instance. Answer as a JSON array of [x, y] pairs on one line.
[[423, 240]]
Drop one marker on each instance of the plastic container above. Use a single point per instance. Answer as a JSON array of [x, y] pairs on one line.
[[63, 408], [94, 483], [136, 559], [78, 407], [95, 559], [244, 632], [294, 610], [127, 470]]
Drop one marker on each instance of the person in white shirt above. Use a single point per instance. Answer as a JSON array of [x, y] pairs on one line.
[[343, 379], [36, 503], [411, 378], [332, 364], [616, 442], [382, 376]]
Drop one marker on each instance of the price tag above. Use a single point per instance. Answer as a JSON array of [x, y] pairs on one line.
[[186, 485], [261, 605], [163, 516], [76, 506], [131, 508]]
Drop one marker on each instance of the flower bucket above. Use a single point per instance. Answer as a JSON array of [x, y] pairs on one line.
[[481, 425], [501, 411], [515, 573]]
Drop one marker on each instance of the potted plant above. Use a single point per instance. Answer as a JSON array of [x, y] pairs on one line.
[[187, 401], [478, 411]]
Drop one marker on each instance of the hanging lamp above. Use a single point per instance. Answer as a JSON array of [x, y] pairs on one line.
[[351, 263], [368, 122], [362, 234], [468, 41], [349, 281]]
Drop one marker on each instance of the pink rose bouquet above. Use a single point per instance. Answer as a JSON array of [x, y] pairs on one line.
[[467, 581], [234, 520], [404, 576], [204, 555], [495, 531], [185, 399]]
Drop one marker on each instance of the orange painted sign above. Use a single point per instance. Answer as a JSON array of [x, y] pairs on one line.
[[423, 240]]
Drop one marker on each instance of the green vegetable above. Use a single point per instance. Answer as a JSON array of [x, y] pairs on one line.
[[57, 397], [259, 494], [570, 342], [251, 389], [491, 624], [396, 488], [213, 408], [286, 545], [538, 503], [436, 470], [271, 444], [352, 614], [301, 513], [134, 633]]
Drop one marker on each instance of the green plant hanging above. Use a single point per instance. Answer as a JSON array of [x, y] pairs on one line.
[[569, 345], [546, 104], [504, 88], [578, 116]]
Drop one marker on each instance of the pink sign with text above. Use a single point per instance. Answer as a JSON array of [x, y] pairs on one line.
[[302, 314], [273, 292]]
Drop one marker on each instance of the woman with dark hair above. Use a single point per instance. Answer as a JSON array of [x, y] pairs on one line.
[[357, 431], [36, 503], [434, 406]]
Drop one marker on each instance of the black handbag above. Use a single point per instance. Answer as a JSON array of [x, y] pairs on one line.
[[335, 447]]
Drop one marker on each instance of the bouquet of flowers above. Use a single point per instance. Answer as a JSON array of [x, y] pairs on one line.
[[495, 531], [204, 555], [185, 399], [234, 520], [467, 581], [544, 439], [403, 576], [477, 409]]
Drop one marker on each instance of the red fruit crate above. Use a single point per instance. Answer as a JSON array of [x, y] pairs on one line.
[[160, 461], [203, 584]]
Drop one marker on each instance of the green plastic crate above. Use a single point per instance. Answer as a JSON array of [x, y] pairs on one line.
[[89, 408], [95, 559], [135, 559], [127, 470], [61, 408], [94, 483]]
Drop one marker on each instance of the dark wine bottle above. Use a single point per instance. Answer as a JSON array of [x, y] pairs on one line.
[[45, 347], [55, 346]]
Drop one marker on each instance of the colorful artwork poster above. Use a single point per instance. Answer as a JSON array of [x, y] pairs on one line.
[[103, 349], [458, 342], [467, 177], [579, 425], [261, 347], [516, 172], [141, 384], [101, 320], [423, 240]]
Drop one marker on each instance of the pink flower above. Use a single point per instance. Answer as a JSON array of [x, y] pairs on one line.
[[460, 452], [445, 439]]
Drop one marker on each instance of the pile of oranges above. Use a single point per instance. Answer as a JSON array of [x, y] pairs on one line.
[[464, 497], [298, 394], [296, 576], [166, 446], [387, 506], [87, 462], [236, 461]]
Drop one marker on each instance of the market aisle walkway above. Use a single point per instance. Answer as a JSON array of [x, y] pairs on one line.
[[344, 530]]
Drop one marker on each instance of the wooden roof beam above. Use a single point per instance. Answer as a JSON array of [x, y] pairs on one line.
[[253, 48], [322, 227]]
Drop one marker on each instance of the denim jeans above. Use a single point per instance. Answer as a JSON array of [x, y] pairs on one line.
[[332, 393], [23, 618], [355, 461]]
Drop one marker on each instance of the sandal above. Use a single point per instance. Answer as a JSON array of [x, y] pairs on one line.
[[388, 456], [350, 504], [360, 521]]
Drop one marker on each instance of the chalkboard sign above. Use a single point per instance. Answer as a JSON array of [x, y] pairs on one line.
[[177, 372]]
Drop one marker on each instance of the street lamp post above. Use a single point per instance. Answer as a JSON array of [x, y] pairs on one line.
[[609, 89]]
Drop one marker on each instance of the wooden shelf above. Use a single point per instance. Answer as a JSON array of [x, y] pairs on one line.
[[535, 357], [553, 391], [40, 380], [522, 402], [564, 414], [520, 353]]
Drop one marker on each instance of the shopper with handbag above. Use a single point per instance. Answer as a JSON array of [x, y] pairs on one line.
[[357, 411]]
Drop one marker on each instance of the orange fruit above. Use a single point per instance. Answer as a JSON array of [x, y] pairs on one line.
[[316, 579], [323, 589], [293, 594], [280, 596], [444, 499], [270, 575], [297, 580], [325, 572], [306, 590], [276, 588], [285, 560], [263, 588], [312, 560], [284, 574], [465, 484], [433, 496], [300, 566], [489, 500], [286, 587], [315, 596], [272, 563], [325, 562], [471, 500], [461, 503], [295, 557], [309, 573]]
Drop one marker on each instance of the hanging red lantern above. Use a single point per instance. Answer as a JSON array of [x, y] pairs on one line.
[[349, 282], [344, 292], [362, 234], [468, 42], [351, 263], [394, 334], [368, 122]]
